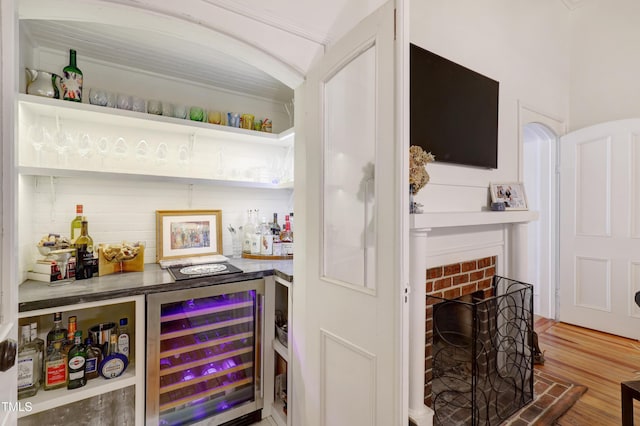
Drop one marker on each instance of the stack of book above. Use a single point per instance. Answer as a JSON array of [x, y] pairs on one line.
[[47, 270]]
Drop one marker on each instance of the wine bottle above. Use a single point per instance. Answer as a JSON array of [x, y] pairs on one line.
[[71, 81], [84, 253], [76, 224]]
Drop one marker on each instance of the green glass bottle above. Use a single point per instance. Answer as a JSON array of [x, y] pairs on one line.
[[76, 363], [84, 253], [71, 81]]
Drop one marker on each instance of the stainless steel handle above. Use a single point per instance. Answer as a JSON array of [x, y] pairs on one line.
[[260, 357]]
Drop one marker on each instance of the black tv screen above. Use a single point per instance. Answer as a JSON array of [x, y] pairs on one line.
[[454, 111]]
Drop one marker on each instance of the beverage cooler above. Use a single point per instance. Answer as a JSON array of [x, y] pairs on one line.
[[204, 354]]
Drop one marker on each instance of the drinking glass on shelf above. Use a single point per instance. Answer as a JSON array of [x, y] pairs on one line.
[[139, 104], [120, 148], [111, 99], [124, 101], [85, 146], [154, 107], [179, 111], [97, 96], [183, 155], [62, 143], [102, 146], [162, 154], [167, 109], [37, 136], [142, 150]]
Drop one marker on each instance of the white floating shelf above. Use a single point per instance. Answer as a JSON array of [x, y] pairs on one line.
[[124, 118], [46, 400]]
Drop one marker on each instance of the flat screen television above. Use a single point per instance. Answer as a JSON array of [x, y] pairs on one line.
[[453, 111]]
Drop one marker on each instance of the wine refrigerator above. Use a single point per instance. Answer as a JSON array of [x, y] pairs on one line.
[[204, 354]]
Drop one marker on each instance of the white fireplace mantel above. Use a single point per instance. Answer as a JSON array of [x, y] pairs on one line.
[[456, 219], [421, 224]]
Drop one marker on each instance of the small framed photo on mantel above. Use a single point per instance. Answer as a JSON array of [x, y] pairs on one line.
[[511, 194], [188, 233]]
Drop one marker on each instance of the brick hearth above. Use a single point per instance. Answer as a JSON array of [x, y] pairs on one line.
[[451, 281]]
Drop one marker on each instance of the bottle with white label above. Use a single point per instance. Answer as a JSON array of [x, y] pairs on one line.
[[114, 363], [266, 238], [123, 337], [28, 365]]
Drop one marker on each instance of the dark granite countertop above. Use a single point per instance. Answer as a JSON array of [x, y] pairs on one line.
[[34, 295]]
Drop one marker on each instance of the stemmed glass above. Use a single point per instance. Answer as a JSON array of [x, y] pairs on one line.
[[62, 143], [85, 145], [38, 138], [103, 149]]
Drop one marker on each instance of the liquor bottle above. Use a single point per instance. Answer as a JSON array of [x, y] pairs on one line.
[[275, 226], [57, 333], [29, 366], [94, 358], [71, 81], [266, 238], [123, 337], [77, 361], [39, 347], [248, 230], [76, 224], [84, 253], [55, 368], [71, 333], [256, 237], [287, 237], [114, 363]]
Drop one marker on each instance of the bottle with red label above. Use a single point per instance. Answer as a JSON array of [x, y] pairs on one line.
[[55, 368]]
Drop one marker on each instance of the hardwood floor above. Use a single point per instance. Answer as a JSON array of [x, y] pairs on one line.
[[597, 360]]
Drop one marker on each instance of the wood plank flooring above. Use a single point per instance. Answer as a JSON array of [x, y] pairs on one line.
[[597, 360]]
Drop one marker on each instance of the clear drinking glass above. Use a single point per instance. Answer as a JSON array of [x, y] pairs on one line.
[[62, 143], [120, 148], [162, 154], [37, 136], [102, 146], [85, 146], [98, 96]]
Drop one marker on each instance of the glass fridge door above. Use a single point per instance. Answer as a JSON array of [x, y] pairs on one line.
[[206, 346]]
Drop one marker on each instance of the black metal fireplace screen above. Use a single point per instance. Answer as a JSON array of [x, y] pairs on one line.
[[483, 354]]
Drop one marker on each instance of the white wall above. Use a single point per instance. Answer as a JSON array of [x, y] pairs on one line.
[[604, 62], [124, 210], [522, 44]]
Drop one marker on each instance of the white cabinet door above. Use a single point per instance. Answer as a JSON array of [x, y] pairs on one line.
[[347, 327], [600, 227], [8, 285]]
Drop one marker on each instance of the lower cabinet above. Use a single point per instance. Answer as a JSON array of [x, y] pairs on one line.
[[116, 401], [278, 357]]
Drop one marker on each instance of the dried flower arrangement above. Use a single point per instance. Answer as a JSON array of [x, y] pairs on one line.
[[418, 176]]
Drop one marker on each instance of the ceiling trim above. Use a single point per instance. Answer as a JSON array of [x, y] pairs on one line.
[[271, 20]]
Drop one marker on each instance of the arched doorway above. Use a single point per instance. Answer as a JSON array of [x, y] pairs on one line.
[[539, 161]]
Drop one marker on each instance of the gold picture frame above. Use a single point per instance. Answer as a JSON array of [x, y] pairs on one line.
[[511, 194], [188, 233]]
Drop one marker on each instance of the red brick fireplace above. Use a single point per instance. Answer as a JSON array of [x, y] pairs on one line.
[[448, 282]]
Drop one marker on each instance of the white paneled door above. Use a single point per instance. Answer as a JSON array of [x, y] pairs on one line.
[[600, 227], [347, 303], [8, 285]]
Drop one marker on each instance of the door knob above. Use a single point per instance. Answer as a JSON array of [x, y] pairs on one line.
[[7, 354]]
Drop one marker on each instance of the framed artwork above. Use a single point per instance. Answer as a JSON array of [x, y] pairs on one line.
[[188, 233], [511, 194]]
